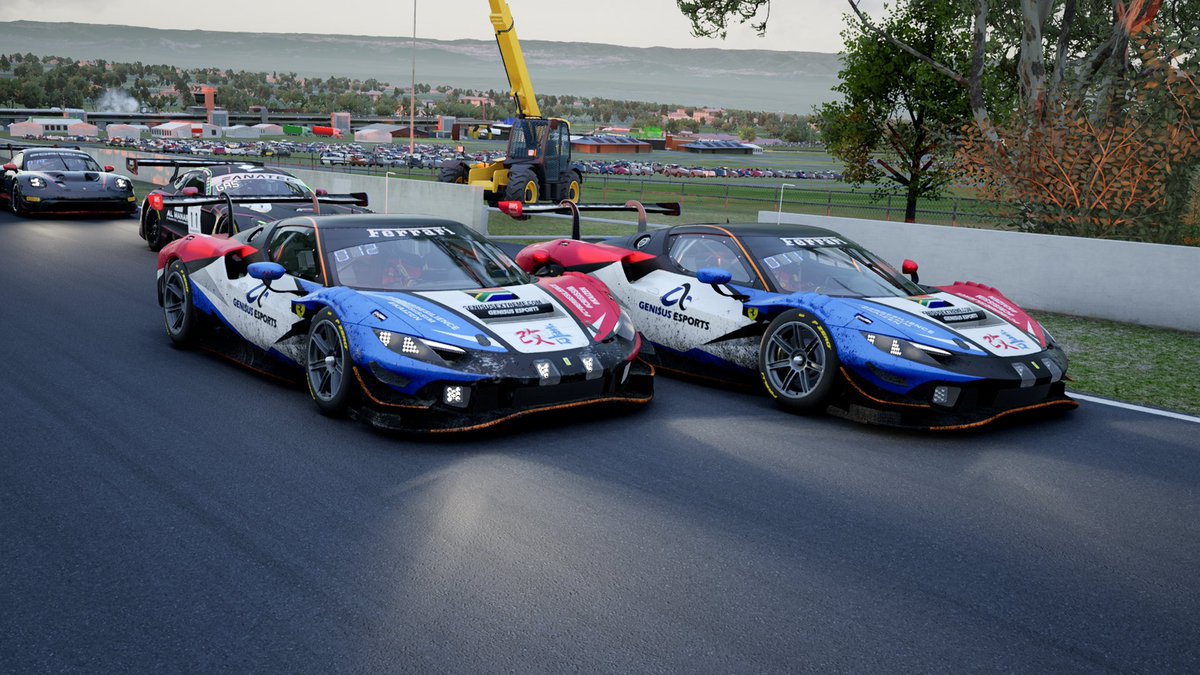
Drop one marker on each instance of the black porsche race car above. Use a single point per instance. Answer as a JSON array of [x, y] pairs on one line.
[[232, 178], [46, 179]]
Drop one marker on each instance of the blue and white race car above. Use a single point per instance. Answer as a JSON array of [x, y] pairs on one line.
[[823, 323], [411, 323]]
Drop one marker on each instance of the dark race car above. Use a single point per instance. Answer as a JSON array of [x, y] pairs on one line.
[[823, 323], [236, 178], [43, 179], [411, 323]]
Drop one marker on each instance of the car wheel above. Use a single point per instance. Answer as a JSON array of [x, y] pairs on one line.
[[179, 312], [797, 361], [156, 238], [328, 364], [522, 185], [225, 225], [15, 203]]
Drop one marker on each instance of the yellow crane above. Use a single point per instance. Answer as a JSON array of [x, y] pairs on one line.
[[538, 163]]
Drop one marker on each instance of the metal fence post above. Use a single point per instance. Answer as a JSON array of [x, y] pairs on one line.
[[888, 216], [829, 203], [954, 213]]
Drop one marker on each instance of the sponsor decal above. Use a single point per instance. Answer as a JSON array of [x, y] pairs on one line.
[[299, 310], [678, 296], [257, 294], [533, 336], [752, 313], [898, 320], [956, 315], [409, 232], [812, 241], [553, 333], [255, 313], [417, 313], [1004, 341], [510, 309], [494, 295], [930, 301], [679, 317]]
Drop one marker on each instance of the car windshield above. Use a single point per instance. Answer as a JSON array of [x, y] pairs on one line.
[[828, 265], [413, 258], [258, 185], [60, 162]]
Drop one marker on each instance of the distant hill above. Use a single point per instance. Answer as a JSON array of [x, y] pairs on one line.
[[790, 82]]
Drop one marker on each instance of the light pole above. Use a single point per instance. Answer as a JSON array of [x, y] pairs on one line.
[[779, 209], [386, 175], [412, 94]]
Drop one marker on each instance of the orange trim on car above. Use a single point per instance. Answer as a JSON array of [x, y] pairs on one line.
[[746, 253], [1029, 408], [859, 389]]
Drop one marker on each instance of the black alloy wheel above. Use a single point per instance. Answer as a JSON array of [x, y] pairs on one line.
[[798, 362], [328, 364], [179, 313]]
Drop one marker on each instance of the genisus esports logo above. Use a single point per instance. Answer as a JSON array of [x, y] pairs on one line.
[[254, 298], [673, 305]]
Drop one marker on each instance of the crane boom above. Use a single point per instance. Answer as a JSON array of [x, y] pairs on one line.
[[514, 60]]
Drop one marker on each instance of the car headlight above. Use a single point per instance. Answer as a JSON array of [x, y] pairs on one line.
[[37, 182], [421, 349], [625, 328], [122, 184], [932, 356]]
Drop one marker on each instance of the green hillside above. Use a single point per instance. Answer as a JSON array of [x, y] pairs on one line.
[[790, 82]]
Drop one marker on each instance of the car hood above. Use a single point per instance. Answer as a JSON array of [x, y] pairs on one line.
[[951, 322], [550, 315], [102, 178]]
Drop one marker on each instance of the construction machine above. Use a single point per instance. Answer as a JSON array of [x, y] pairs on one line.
[[538, 163]]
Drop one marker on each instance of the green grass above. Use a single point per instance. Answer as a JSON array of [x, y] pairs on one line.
[[1137, 364]]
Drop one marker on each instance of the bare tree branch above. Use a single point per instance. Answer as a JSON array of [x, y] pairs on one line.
[[1064, 40], [945, 70]]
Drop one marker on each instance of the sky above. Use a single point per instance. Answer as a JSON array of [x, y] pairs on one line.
[[795, 25]]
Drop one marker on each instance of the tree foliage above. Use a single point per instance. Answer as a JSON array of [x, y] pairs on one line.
[[897, 120]]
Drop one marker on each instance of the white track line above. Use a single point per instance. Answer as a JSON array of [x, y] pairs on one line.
[[1130, 406]]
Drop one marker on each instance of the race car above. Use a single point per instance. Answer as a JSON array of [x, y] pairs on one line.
[[822, 323], [236, 178], [45, 179], [410, 323]]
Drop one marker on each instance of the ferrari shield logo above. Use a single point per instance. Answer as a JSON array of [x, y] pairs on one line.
[[299, 310], [752, 314]]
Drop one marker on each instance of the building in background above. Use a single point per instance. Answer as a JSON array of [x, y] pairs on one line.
[[598, 145], [341, 122], [186, 130], [52, 126], [129, 132]]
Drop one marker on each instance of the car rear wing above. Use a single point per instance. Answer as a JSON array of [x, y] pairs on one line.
[[17, 147], [521, 211], [159, 201], [133, 163]]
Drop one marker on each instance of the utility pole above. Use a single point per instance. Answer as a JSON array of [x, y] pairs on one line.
[[412, 94]]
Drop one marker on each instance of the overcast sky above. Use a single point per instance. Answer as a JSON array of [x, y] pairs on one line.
[[796, 25]]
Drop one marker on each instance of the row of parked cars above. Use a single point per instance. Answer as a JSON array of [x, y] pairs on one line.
[[623, 168]]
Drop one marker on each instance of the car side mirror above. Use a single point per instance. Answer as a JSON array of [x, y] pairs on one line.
[[10, 167], [108, 168], [266, 271], [718, 278], [189, 192], [909, 267], [714, 275]]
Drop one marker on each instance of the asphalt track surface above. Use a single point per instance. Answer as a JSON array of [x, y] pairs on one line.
[[163, 510]]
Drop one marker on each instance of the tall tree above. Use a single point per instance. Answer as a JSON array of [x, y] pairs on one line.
[[898, 119]]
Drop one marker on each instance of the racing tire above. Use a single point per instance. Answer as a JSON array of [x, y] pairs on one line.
[[574, 186], [155, 238], [180, 317], [328, 370], [453, 173], [798, 362], [522, 185], [15, 203]]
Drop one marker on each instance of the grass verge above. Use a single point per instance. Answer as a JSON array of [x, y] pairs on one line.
[[1136, 364]]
